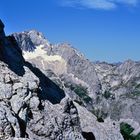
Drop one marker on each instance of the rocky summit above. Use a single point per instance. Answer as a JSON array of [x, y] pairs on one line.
[[52, 92]]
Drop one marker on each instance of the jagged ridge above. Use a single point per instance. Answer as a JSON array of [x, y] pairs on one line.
[[43, 109]]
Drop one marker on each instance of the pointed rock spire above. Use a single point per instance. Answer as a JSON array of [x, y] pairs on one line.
[[2, 34]]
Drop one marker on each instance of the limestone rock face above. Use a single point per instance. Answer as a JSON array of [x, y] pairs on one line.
[[107, 87], [109, 91], [31, 105], [52, 92]]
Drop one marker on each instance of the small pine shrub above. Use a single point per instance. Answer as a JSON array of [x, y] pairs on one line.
[[126, 131], [82, 93]]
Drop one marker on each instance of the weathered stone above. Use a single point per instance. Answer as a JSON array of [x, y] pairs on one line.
[[54, 93]]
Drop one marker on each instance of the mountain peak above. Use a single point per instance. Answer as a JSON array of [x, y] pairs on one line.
[[67, 49], [29, 40]]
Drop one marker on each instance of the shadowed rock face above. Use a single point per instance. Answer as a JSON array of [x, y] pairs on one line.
[[88, 135], [1, 26], [13, 57], [2, 34], [36, 103]]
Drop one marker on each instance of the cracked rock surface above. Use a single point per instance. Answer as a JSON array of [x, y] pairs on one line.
[[50, 95]]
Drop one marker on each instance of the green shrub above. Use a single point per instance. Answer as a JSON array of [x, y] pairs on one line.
[[107, 94], [79, 102], [137, 86], [126, 131], [100, 119], [82, 93], [137, 137]]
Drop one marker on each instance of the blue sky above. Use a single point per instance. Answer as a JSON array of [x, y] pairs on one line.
[[105, 30]]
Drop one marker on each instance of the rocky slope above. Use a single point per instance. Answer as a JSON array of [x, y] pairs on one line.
[[53, 92], [110, 89]]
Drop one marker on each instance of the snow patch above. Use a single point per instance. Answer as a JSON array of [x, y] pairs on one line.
[[39, 52], [41, 59]]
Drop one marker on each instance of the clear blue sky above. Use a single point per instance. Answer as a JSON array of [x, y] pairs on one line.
[[102, 30]]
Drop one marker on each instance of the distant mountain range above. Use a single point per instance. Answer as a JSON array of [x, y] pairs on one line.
[[52, 92]]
